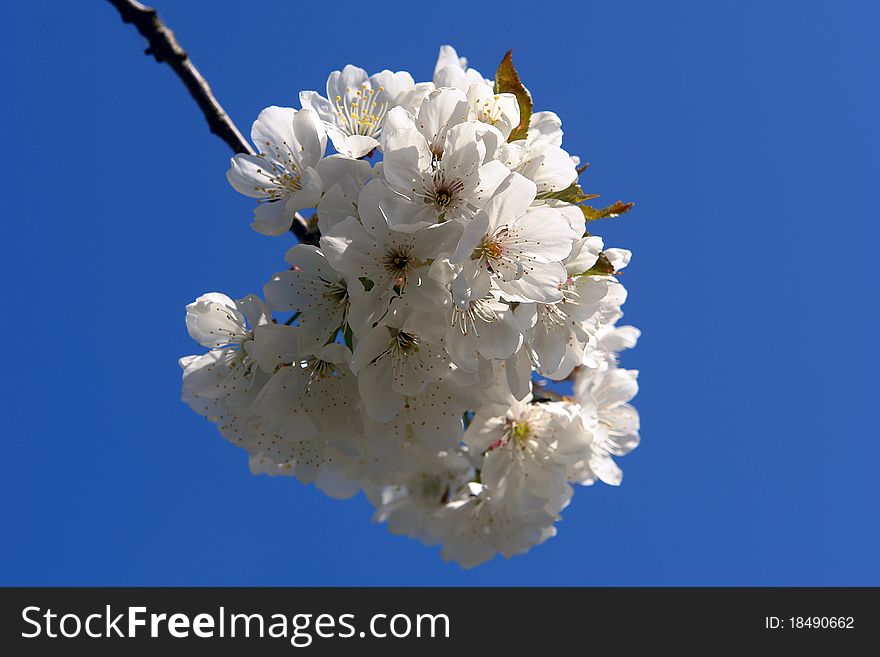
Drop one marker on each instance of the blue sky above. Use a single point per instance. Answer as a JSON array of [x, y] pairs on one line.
[[747, 134]]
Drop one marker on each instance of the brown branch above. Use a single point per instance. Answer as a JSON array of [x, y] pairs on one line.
[[540, 394], [163, 45]]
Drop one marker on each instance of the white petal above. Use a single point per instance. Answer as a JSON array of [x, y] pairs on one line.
[[617, 387], [472, 283], [518, 369], [619, 257], [255, 310], [369, 346], [606, 470], [381, 403], [584, 254], [510, 201], [272, 218], [486, 428], [213, 320], [398, 119], [275, 345], [539, 282], [311, 137], [546, 233], [499, 339], [324, 108], [351, 175], [349, 248], [346, 82], [394, 86], [441, 110], [354, 146], [473, 234], [491, 175], [308, 195], [247, 175], [550, 168], [546, 128], [273, 135], [447, 57]]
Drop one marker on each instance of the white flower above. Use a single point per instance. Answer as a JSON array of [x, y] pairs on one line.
[[613, 339], [283, 175], [564, 335], [528, 447], [479, 328], [521, 249], [440, 163], [451, 270], [609, 338], [356, 105], [540, 157], [498, 110], [392, 363], [312, 288], [544, 128], [477, 528], [412, 508], [381, 263], [429, 422], [612, 423], [214, 320], [227, 371], [308, 402], [452, 71], [549, 167], [345, 181]]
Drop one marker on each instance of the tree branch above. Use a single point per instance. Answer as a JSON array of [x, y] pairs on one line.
[[163, 45], [540, 394]]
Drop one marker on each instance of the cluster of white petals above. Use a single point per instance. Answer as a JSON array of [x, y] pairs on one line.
[[407, 353]]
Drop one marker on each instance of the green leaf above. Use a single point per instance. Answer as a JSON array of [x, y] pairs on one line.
[[507, 82], [367, 283], [571, 194], [614, 210], [348, 337], [603, 267]]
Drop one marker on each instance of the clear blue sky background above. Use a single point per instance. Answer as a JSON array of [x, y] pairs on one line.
[[747, 133]]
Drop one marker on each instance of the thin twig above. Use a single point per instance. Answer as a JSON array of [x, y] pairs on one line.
[[163, 45], [540, 394]]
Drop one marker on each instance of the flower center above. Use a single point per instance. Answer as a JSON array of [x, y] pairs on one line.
[[520, 431], [406, 342], [490, 248], [363, 113], [490, 111], [280, 184], [320, 368], [551, 316], [398, 263], [336, 293], [476, 311], [444, 192]]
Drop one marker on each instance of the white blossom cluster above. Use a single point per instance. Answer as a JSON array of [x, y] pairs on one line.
[[452, 276]]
